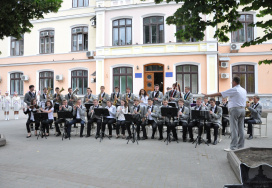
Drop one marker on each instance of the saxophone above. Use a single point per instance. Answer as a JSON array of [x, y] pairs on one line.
[[127, 98], [115, 99], [99, 99]]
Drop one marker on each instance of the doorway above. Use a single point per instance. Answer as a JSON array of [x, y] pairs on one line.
[[153, 74]]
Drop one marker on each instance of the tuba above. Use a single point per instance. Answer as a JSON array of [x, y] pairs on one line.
[[48, 93], [73, 96], [248, 112], [59, 100]]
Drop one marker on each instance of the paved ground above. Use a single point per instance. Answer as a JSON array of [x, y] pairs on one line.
[[84, 162]]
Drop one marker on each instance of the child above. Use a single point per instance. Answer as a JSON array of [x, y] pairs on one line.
[[6, 105], [16, 104]]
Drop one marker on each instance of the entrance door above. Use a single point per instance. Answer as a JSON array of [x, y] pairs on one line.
[[149, 82], [153, 75]]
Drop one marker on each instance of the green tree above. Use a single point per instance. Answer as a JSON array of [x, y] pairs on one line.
[[225, 18], [15, 15]]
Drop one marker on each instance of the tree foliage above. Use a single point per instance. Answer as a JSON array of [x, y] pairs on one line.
[[15, 15], [225, 14]]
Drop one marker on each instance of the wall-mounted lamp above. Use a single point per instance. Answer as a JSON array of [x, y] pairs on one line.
[[137, 67], [168, 67]]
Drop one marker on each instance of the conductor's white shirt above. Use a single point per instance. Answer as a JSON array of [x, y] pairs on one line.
[[237, 96]]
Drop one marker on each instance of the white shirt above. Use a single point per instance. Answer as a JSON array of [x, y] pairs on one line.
[[213, 108], [120, 115], [32, 114], [237, 96], [112, 111], [144, 99], [149, 115], [50, 115], [78, 114]]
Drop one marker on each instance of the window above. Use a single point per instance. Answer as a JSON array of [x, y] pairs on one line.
[[46, 79], [80, 39], [246, 33], [122, 78], [16, 84], [178, 28], [187, 75], [121, 32], [246, 75], [17, 46], [80, 3], [47, 42], [80, 80], [153, 30]]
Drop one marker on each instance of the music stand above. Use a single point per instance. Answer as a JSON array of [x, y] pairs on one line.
[[88, 105], [172, 104], [102, 112], [170, 113], [130, 118], [65, 115], [39, 117], [225, 111], [200, 115]]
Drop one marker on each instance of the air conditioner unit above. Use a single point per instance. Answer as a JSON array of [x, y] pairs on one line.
[[224, 64], [59, 77], [93, 23], [24, 78], [90, 53], [224, 75], [234, 46]]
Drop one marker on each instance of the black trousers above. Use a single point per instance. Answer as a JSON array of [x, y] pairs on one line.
[[139, 125], [74, 121], [121, 124], [60, 121], [208, 127], [88, 117], [160, 127], [108, 121], [198, 124], [184, 129], [90, 124], [45, 124], [249, 123], [224, 124], [154, 126], [37, 124]]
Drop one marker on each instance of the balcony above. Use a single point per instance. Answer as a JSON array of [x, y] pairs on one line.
[[164, 48]]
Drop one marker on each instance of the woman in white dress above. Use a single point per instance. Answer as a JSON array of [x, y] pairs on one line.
[[6, 105], [121, 121], [143, 97], [16, 104]]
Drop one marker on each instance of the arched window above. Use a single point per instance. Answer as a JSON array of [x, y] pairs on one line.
[[187, 75], [16, 84], [153, 30], [123, 78], [47, 42], [121, 32], [79, 80], [79, 39], [46, 79], [246, 74]]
